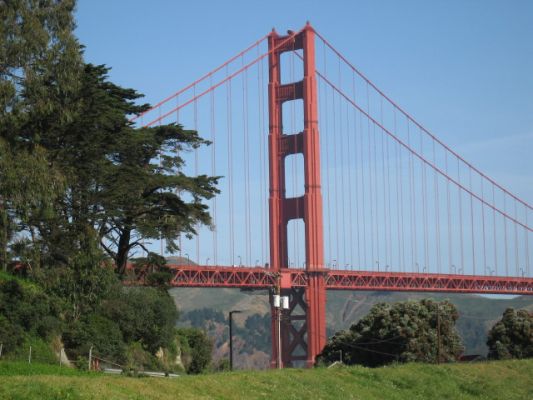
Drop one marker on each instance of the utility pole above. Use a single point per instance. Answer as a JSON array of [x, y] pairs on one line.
[[438, 333], [280, 303], [231, 337]]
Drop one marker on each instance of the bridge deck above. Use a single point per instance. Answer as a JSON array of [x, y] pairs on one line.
[[261, 278]]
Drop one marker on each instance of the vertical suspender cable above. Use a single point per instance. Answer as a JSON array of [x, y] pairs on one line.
[[231, 247], [517, 260], [526, 233], [494, 231], [376, 198], [356, 178], [437, 210], [246, 230], [350, 203], [343, 167], [389, 203], [449, 216], [363, 187], [262, 177], [328, 184], [414, 252], [383, 196], [213, 173], [472, 223], [370, 182], [177, 153], [195, 110], [423, 177], [483, 226], [505, 237], [336, 178], [161, 240], [460, 194]]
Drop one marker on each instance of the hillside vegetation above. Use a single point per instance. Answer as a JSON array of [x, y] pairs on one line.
[[489, 380], [477, 314]]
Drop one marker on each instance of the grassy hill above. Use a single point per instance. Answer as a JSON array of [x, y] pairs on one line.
[[491, 380]]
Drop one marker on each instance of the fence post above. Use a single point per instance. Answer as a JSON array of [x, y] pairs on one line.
[[90, 356], [29, 357], [1, 347]]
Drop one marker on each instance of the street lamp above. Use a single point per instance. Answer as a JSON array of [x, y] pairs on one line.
[[279, 303], [188, 259], [207, 261], [231, 337], [240, 261], [377, 262]]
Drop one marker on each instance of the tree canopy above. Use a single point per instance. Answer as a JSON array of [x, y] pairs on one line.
[[512, 336], [90, 178], [406, 331], [81, 189]]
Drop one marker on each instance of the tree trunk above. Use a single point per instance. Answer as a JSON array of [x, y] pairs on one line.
[[123, 249]]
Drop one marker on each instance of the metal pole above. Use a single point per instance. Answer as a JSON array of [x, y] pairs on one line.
[[29, 357], [231, 341], [279, 338], [438, 333], [231, 337]]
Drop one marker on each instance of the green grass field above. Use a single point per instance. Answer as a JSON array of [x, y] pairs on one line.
[[490, 380]]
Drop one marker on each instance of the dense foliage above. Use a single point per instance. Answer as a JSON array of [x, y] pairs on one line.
[[92, 181], [81, 190], [196, 349], [28, 316], [401, 332], [512, 336]]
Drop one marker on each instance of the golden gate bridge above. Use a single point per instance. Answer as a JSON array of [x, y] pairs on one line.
[[328, 184]]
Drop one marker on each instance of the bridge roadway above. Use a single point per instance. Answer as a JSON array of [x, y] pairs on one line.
[[262, 278]]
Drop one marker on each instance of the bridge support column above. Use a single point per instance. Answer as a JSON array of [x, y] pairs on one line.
[[303, 333]]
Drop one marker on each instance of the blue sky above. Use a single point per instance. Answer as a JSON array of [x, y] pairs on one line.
[[462, 68]]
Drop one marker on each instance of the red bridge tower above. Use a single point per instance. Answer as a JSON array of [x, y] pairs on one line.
[[303, 333]]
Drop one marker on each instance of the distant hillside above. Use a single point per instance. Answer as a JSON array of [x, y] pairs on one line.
[[478, 314]]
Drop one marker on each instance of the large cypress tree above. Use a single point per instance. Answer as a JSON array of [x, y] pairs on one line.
[[77, 176], [40, 65]]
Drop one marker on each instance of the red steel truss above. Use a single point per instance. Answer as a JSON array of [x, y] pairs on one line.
[[261, 278]]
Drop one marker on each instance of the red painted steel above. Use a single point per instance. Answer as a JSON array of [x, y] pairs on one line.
[[262, 278], [309, 206]]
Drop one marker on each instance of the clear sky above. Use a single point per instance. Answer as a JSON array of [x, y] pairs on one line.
[[463, 68]]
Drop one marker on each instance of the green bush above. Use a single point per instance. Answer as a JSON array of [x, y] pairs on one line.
[[512, 336], [98, 332], [196, 349]]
